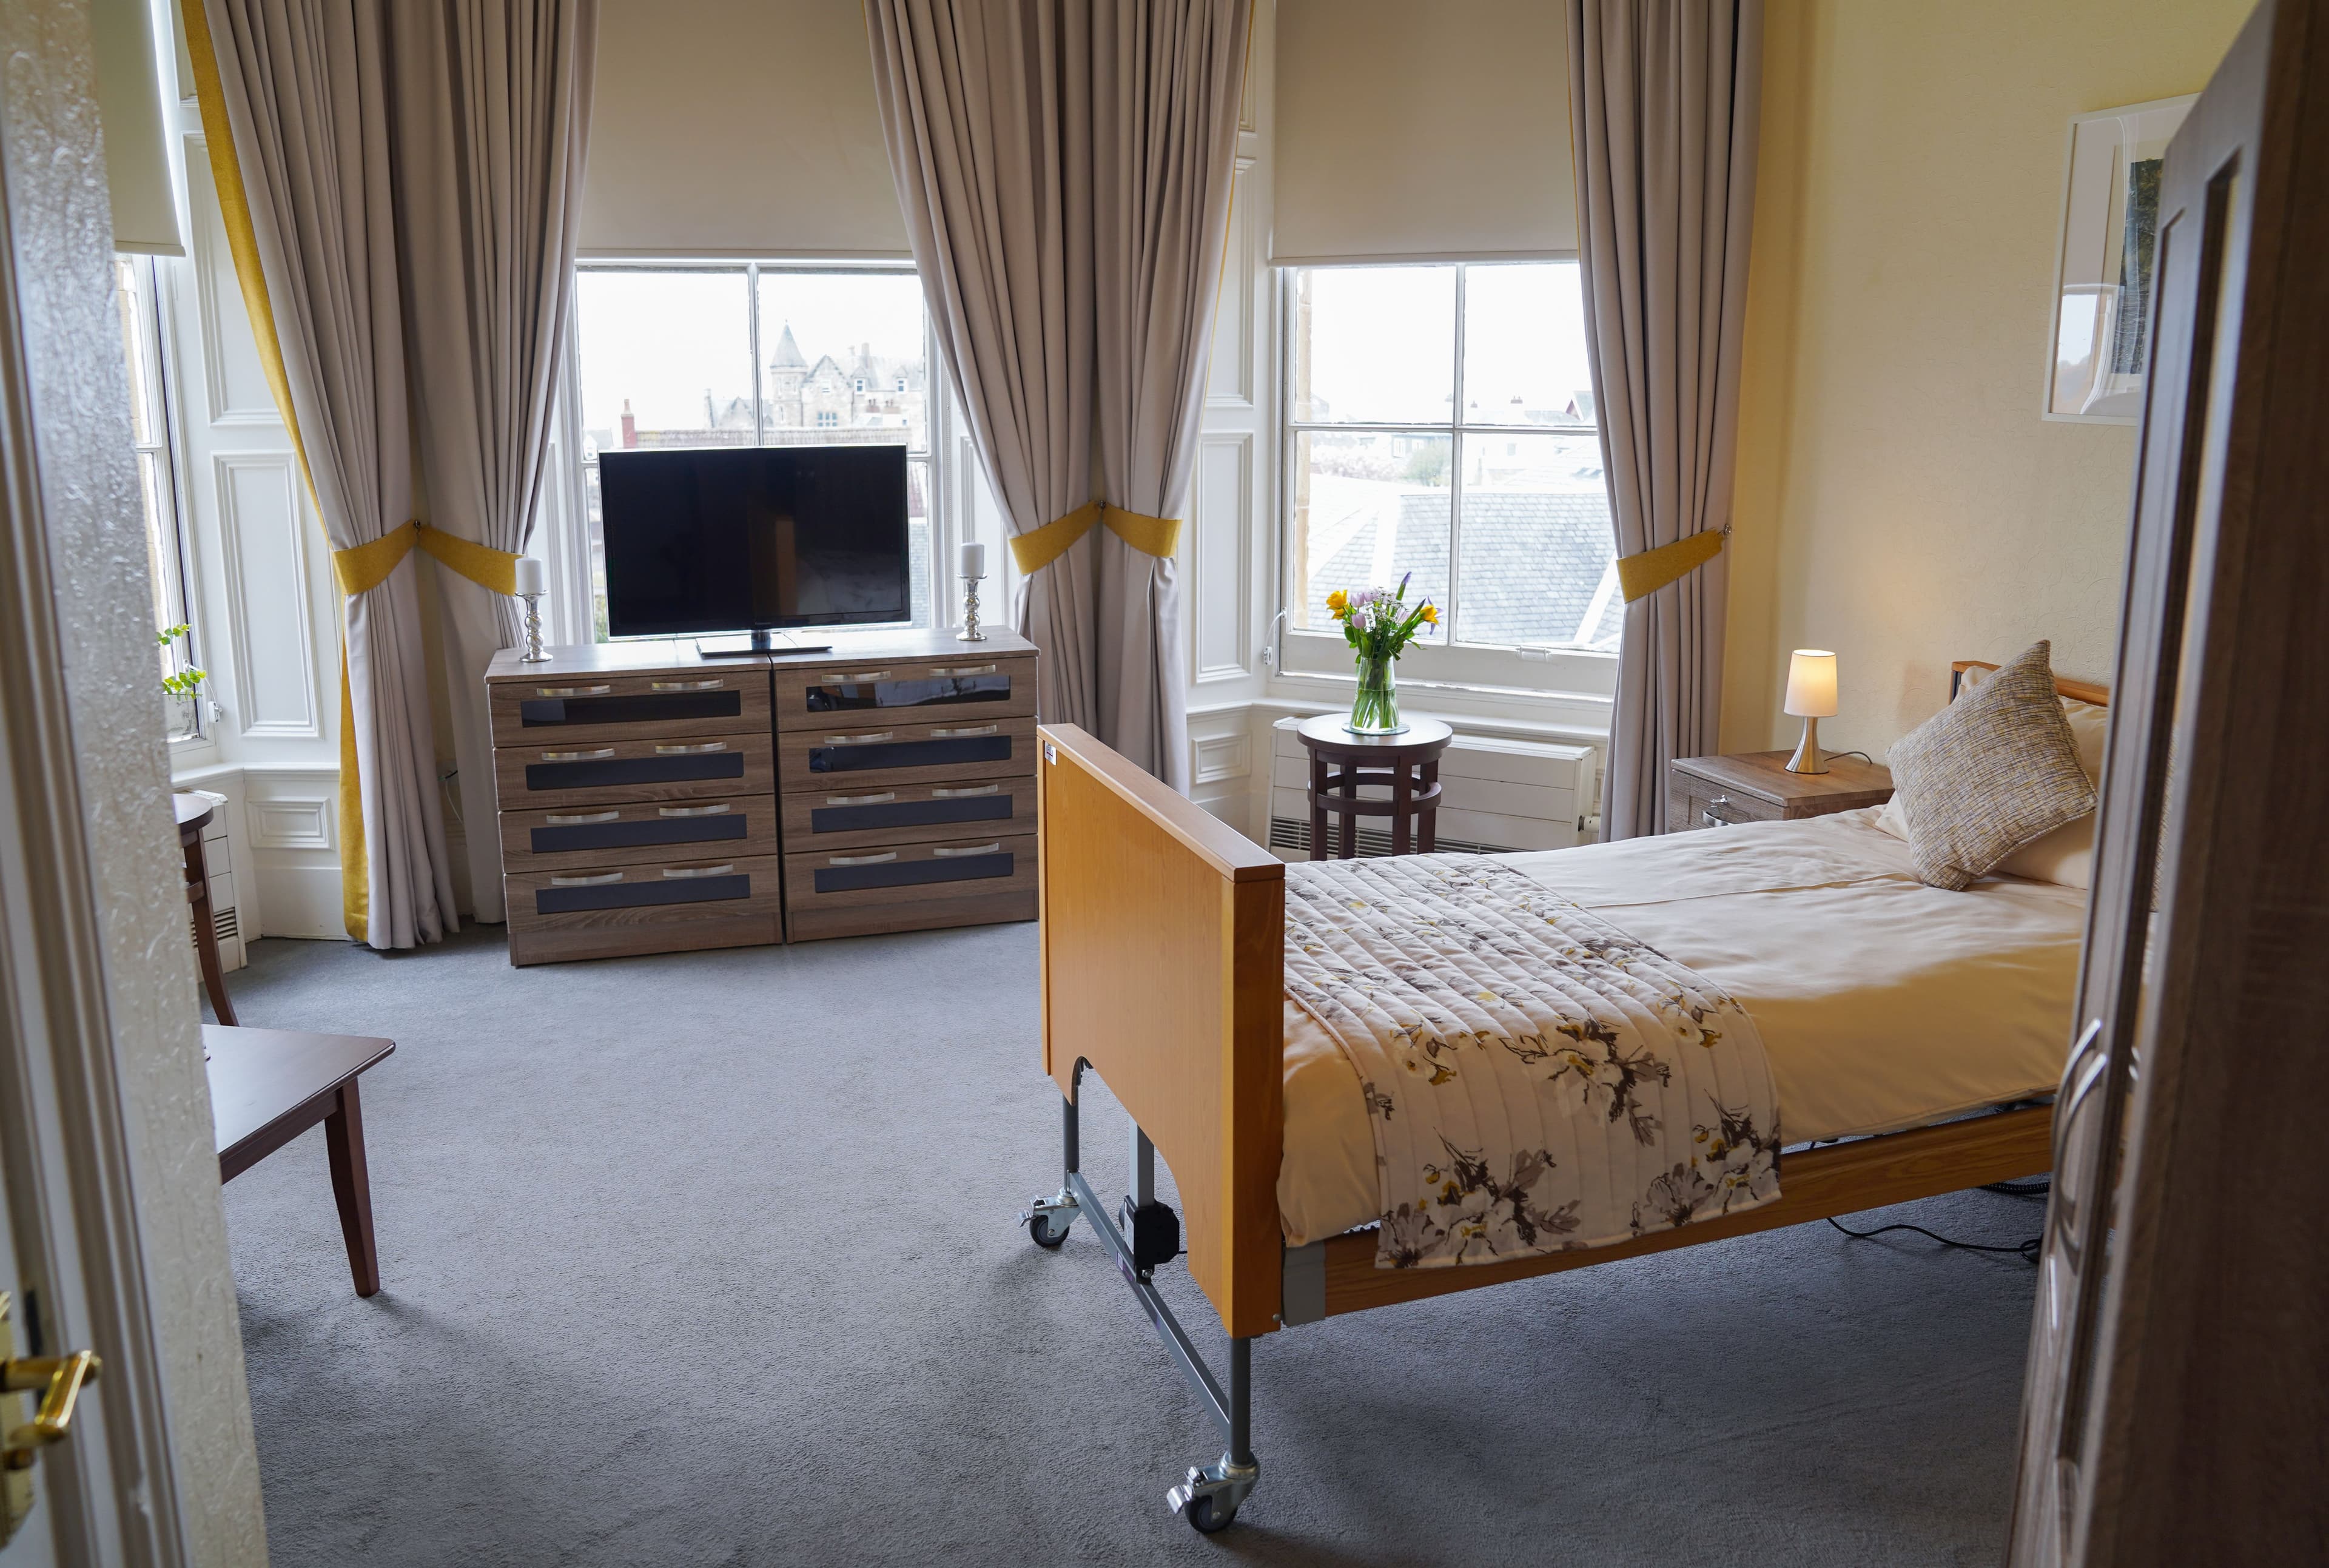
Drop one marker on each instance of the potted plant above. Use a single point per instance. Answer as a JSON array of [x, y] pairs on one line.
[[182, 683], [1379, 626]]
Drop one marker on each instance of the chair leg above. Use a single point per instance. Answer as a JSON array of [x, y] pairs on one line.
[[352, 1188]]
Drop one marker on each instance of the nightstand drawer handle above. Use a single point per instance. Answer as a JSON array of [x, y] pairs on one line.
[[943, 794], [572, 691], [585, 881], [686, 871], [711, 685], [958, 671], [691, 750], [868, 675], [860, 740], [944, 853], [862, 859], [1710, 819], [590, 755], [963, 734], [718, 809], [886, 795], [584, 821]]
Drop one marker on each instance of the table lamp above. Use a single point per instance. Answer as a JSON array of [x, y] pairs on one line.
[[1811, 697]]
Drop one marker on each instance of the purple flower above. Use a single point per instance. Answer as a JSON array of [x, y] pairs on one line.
[[1402, 587]]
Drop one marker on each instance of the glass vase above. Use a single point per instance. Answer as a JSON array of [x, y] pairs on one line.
[[1375, 710]]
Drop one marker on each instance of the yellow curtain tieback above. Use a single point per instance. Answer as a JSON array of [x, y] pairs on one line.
[[1039, 547], [367, 566], [1643, 575]]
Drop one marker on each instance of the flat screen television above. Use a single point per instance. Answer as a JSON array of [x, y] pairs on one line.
[[725, 539]]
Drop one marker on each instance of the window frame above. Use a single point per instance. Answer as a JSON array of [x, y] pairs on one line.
[[149, 303], [583, 469], [1499, 672]]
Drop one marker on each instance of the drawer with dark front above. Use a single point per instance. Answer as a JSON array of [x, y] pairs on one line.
[[870, 756], [912, 887], [850, 819], [1694, 802], [560, 838], [636, 897], [623, 771], [996, 688], [636, 707]]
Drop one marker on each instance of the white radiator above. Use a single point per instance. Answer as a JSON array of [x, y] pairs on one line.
[[1495, 796], [218, 860]]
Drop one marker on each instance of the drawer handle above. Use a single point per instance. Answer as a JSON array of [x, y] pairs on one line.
[[862, 859], [572, 691], [860, 740], [584, 821], [586, 880], [590, 755], [860, 799], [687, 871], [945, 854], [961, 794], [691, 750], [963, 670], [1709, 818], [720, 809], [868, 675], [711, 685], [963, 734]]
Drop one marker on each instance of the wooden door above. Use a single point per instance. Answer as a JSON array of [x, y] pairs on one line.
[[2174, 1411]]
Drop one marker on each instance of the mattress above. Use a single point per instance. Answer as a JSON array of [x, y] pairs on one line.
[[1883, 1003]]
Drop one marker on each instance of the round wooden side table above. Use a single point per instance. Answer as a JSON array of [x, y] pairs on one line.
[[1341, 761]]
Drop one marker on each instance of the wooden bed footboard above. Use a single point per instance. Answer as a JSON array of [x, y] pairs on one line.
[[1162, 969]]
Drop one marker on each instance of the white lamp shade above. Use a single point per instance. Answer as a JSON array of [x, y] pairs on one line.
[[1811, 683]]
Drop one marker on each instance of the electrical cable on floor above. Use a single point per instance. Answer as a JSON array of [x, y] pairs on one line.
[[2027, 1251]]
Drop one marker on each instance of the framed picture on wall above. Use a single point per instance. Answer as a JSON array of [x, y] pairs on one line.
[[2102, 268]]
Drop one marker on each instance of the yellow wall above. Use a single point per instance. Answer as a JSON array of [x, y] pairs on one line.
[[1899, 498]]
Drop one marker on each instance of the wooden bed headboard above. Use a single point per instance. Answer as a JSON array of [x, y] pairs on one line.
[[2076, 691]]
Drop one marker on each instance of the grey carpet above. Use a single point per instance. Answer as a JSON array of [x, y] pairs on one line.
[[711, 1260]]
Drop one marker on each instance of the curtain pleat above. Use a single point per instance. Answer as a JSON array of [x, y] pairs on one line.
[[1664, 97], [493, 99]]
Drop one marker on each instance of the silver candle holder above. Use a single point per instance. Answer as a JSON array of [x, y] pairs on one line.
[[970, 632], [534, 654]]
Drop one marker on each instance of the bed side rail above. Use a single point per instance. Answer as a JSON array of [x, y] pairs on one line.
[[1162, 955]]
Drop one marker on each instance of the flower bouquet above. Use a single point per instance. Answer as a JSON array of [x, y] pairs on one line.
[[1379, 626]]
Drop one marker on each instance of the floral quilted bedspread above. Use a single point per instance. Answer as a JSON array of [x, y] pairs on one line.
[[1536, 1080]]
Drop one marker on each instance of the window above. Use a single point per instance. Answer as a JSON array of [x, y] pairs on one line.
[[761, 354], [1439, 422], [137, 295]]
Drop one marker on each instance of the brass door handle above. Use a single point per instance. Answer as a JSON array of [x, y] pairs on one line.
[[58, 1379]]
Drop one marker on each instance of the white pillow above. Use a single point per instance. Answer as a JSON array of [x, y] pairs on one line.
[[2067, 854]]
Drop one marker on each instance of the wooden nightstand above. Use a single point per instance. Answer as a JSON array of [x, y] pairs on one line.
[[1756, 787]]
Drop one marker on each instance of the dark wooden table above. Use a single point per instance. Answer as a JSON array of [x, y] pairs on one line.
[[268, 1086], [1407, 762], [195, 815]]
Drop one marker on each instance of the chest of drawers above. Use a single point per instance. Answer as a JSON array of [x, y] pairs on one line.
[[653, 800]]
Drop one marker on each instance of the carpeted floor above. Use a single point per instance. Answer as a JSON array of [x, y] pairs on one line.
[[711, 1260]]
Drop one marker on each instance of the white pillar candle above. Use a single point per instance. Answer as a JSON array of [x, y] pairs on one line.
[[531, 576], [973, 558]]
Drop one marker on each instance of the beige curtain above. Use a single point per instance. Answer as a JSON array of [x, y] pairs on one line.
[[985, 109], [492, 115], [303, 92], [1166, 81], [1664, 100]]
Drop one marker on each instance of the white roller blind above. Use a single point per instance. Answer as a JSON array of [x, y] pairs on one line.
[[129, 116], [1409, 131], [737, 127]]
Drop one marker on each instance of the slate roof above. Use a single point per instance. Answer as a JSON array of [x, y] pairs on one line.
[[788, 353], [1533, 563]]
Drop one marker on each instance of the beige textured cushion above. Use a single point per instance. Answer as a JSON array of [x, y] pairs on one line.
[[1992, 771], [2065, 856]]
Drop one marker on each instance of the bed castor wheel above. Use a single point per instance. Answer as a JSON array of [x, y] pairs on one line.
[[1049, 1219], [1209, 1496]]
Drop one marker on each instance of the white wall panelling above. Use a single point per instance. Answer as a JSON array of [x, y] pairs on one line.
[[233, 381], [1222, 500], [262, 535], [293, 814]]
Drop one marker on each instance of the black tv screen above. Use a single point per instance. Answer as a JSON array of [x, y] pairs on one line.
[[721, 539]]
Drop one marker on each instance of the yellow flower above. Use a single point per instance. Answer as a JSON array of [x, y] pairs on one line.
[[1432, 615], [1337, 603]]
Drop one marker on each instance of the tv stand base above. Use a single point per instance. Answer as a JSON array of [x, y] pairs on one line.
[[759, 642]]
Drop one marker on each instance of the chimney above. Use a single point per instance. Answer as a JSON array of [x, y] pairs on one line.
[[630, 427]]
